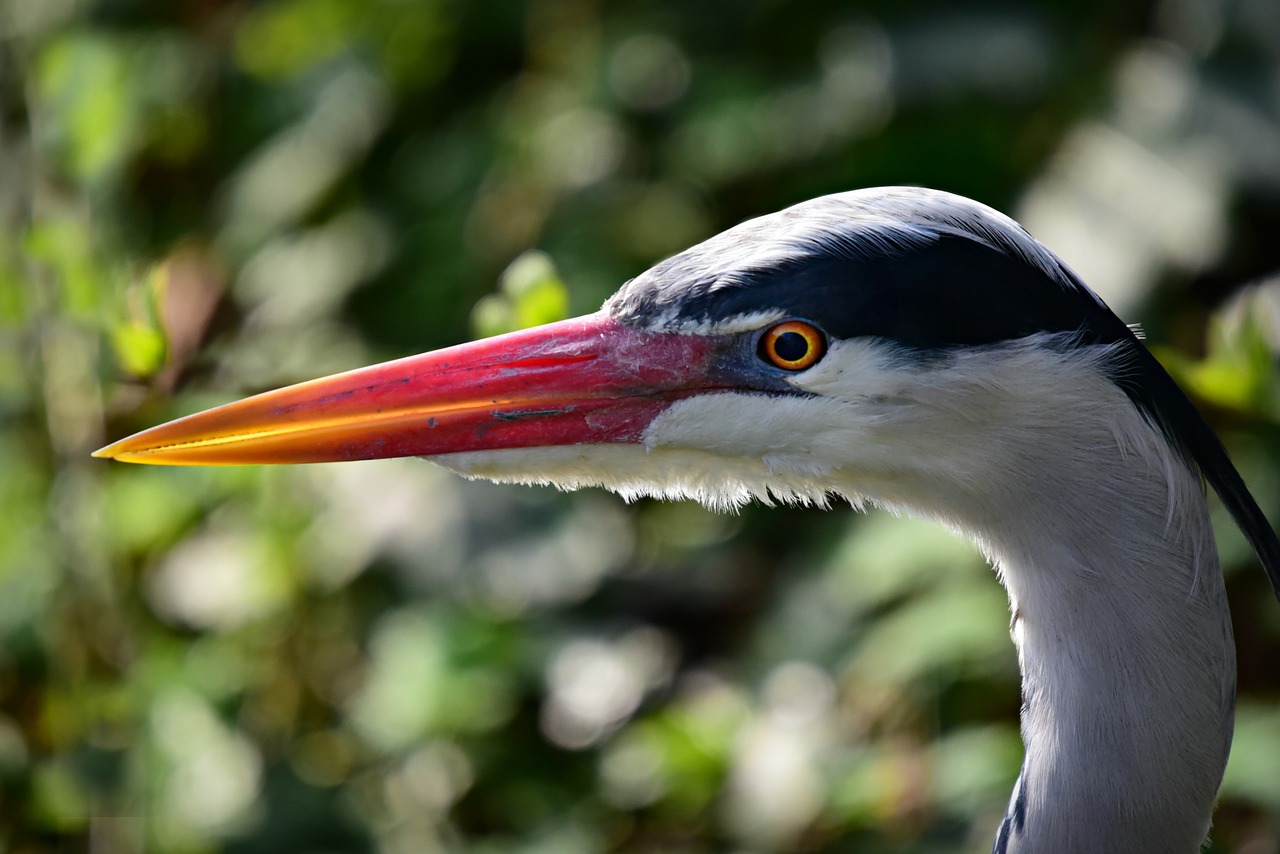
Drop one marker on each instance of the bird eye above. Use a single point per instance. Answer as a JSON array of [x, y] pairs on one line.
[[793, 345]]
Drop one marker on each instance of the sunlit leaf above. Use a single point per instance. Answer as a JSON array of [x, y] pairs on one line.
[[140, 349]]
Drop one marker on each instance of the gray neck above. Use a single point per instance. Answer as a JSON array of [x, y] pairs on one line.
[[1128, 664], [1100, 533]]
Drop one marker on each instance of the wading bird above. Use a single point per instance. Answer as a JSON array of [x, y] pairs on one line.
[[903, 347]]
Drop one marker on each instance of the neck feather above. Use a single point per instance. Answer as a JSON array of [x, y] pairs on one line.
[[1101, 535], [1128, 676]]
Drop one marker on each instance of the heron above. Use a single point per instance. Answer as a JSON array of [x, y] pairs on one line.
[[899, 347]]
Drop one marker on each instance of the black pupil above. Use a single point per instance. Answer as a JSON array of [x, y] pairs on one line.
[[791, 346]]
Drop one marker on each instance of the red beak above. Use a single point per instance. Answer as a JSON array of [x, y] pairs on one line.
[[589, 380]]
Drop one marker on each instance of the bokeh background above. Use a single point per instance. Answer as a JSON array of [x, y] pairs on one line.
[[200, 199]]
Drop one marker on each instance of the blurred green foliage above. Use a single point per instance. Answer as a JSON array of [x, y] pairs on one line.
[[203, 199]]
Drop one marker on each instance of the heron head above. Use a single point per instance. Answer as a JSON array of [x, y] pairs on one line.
[[868, 343]]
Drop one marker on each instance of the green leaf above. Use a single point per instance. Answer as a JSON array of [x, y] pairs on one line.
[[139, 349], [531, 294], [90, 112]]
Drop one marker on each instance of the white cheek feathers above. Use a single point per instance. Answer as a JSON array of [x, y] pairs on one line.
[[634, 471]]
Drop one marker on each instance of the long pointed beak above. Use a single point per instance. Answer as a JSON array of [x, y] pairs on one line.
[[589, 380]]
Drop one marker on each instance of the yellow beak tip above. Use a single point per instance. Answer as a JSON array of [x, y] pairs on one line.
[[108, 452]]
